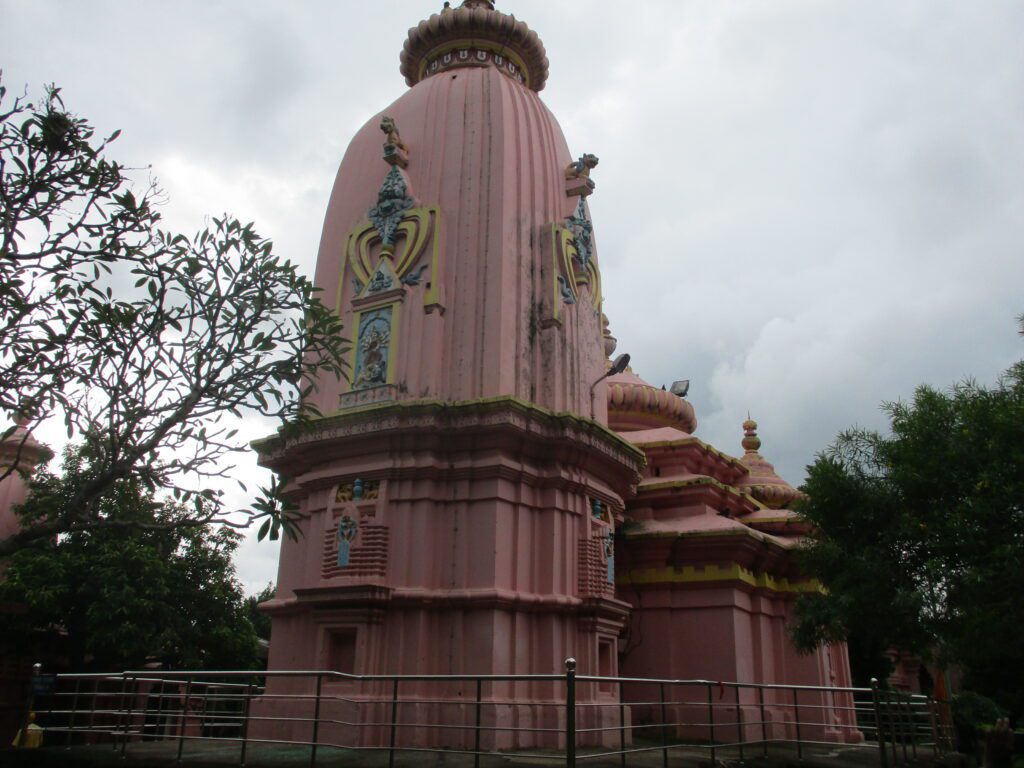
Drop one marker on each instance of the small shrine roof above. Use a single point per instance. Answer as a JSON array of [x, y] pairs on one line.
[[634, 405], [763, 483]]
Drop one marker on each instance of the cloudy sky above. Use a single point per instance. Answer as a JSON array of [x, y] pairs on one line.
[[805, 207]]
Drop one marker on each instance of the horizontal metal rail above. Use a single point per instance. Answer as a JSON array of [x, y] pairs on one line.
[[582, 717]]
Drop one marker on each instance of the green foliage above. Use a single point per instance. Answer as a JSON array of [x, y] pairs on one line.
[[259, 620], [972, 712], [919, 534], [117, 597], [150, 345]]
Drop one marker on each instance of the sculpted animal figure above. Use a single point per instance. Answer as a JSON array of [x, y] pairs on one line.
[[580, 169], [387, 125]]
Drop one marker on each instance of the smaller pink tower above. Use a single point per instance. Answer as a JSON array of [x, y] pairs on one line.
[[22, 453], [707, 563]]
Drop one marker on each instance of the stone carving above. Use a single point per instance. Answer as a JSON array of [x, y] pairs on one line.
[[609, 554], [392, 136], [577, 176], [367, 491], [380, 281], [580, 169], [347, 529], [582, 230], [565, 291], [413, 278], [357, 286], [393, 201], [374, 344]]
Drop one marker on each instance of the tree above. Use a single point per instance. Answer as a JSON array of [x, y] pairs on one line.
[[144, 342], [919, 534], [260, 621], [117, 598]]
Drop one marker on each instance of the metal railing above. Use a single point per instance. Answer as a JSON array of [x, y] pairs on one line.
[[579, 717]]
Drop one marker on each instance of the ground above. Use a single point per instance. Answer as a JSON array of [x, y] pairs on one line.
[[278, 756]]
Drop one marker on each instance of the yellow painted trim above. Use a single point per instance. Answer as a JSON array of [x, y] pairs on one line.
[[433, 294], [698, 442], [416, 225], [562, 250], [486, 45], [357, 318], [644, 488], [564, 246], [690, 574], [760, 520], [350, 252], [595, 284], [413, 407], [341, 274]]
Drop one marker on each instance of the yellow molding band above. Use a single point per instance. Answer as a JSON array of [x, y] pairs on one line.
[[690, 574]]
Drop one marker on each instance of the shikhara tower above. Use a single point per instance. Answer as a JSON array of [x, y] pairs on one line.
[[462, 492]]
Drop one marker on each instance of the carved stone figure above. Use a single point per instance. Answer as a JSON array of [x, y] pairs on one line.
[[580, 169], [582, 231], [565, 291], [393, 138], [413, 278]]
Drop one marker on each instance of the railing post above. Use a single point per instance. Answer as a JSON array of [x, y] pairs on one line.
[[902, 727], [711, 723], [764, 724], [121, 709], [245, 723], [184, 716], [74, 711], [394, 723], [92, 709], [316, 718], [878, 723], [912, 715], [570, 712], [129, 710], [158, 735], [27, 718], [476, 737], [892, 727], [664, 727], [622, 726], [796, 717], [935, 730], [739, 722]]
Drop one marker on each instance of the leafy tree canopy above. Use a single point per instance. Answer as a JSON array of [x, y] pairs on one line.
[[148, 344], [116, 598], [919, 534], [260, 621]]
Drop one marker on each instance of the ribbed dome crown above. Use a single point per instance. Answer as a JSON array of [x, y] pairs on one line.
[[474, 35]]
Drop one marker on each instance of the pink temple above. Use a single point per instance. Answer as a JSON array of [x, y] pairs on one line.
[[474, 476]]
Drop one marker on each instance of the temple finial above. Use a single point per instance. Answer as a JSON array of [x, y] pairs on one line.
[[488, 4], [751, 442]]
